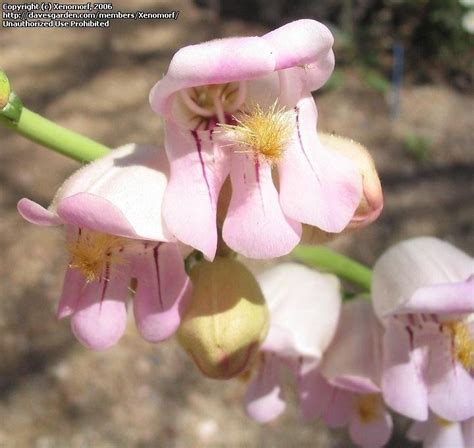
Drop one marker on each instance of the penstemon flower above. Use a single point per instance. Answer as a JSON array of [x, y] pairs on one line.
[[114, 233], [423, 290], [242, 108], [304, 310], [348, 393]]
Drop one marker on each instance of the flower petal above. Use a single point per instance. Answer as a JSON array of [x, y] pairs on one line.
[[436, 434], [36, 214], [413, 264], [450, 386], [304, 302], [353, 360], [371, 434], [255, 225], [339, 409], [448, 298], [198, 170], [263, 400], [162, 294], [403, 387], [216, 62], [307, 44], [317, 186], [315, 393], [371, 204], [73, 286], [100, 316]]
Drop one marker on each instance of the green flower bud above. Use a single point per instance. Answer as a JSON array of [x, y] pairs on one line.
[[4, 89], [227, 319]]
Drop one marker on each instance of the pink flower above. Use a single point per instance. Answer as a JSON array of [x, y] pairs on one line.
[[241, 107], [115, 233], [346, 389], [423, 290], [304, 311], [439, 433]]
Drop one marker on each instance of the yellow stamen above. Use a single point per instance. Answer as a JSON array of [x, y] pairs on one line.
[[463, 343], [368, 407], [91, 251], [264, 132]]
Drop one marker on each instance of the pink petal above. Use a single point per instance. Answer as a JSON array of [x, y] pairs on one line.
[[131, 180], [315, 393], [198, 170], [354, 358], [216, 62], [304, 42], [448, 298], [317, 186], [100, 317], [339, 409], [162, 294], [95, 213], [255, 225], [73, 286], [263, 400], [373, 434], [413, 264], [403, 387], [450, 386], [306, 304], [36, 214]]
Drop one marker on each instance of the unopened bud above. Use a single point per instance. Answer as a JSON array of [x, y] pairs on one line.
[[4, 89], [371, 203], [227, 319]]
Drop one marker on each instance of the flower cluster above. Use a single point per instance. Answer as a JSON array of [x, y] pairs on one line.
[[244, 172], [411, 350]]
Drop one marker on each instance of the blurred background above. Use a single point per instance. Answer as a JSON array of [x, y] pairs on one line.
[[402, 87]]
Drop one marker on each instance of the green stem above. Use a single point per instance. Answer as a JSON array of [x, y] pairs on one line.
[[330, 261], [55, 137]]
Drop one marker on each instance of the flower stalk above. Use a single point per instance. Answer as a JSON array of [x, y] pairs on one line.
[[43, 131], [328, 260]]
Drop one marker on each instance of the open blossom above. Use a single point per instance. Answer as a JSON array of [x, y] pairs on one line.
[[114, 233], [439, 433], [304, 310], [242, 108], [423, 290], [346, 389]]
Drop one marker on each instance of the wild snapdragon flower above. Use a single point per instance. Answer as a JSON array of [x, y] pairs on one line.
[[348, 392], [423, 290], [115, 233], [304, 311], [242, 108]]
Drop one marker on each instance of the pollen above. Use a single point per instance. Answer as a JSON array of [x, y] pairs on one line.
[[463, 344], [92, 251], [368, 407], [263, 132]]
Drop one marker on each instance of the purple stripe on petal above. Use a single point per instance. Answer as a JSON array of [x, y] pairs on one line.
[[203, 166]]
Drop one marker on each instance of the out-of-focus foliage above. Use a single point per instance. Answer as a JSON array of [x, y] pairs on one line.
[[436, 43]]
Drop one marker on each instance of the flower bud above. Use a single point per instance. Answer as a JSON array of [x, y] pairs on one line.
[[371, 203], [4, 89], [227, 319]]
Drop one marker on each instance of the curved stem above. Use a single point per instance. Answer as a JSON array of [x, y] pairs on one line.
[[55, 137], [328, 260]]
